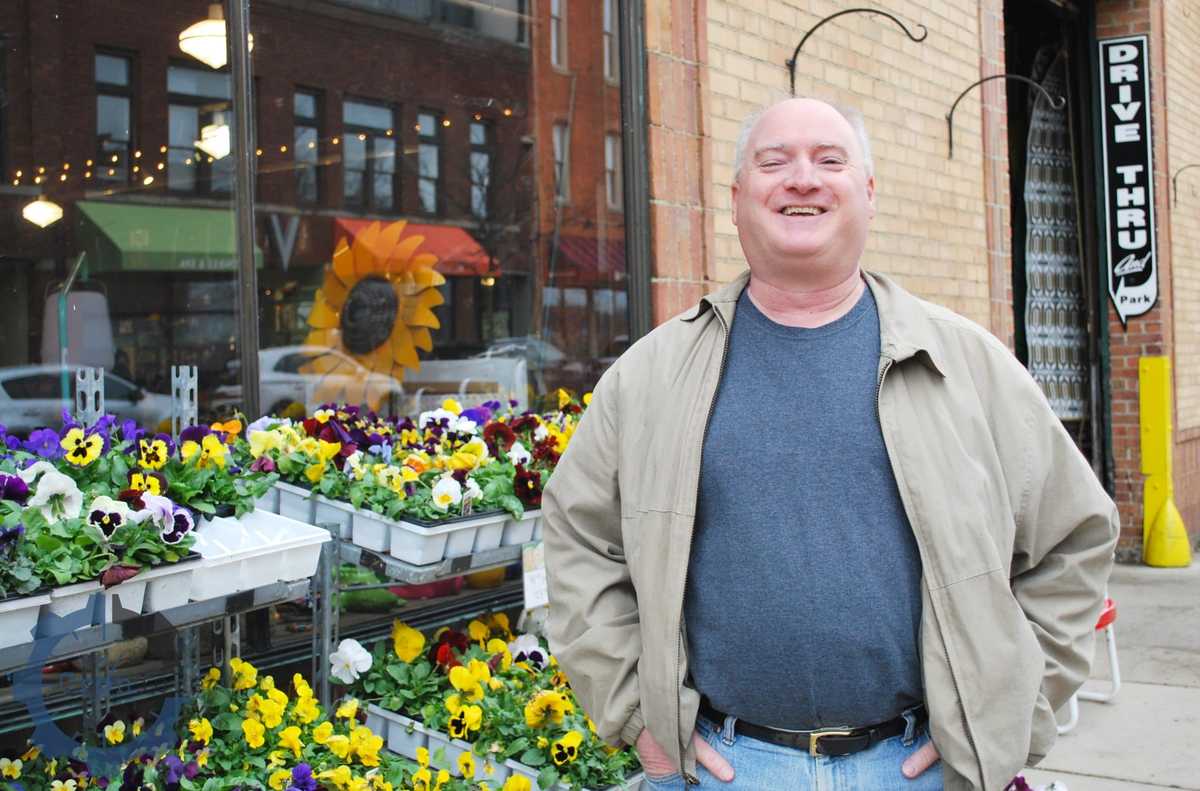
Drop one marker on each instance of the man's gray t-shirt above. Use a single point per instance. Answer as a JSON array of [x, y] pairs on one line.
[[803, 601]]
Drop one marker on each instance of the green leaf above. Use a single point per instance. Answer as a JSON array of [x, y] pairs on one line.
[[532, 757], [547, 777]]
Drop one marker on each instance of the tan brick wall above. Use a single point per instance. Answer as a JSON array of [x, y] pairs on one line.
[[1183, 148], [930, 230]]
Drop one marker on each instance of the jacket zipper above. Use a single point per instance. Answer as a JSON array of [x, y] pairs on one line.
[[962, 712], [691, 779]]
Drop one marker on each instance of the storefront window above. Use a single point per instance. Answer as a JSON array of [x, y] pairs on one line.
[[413, 235]]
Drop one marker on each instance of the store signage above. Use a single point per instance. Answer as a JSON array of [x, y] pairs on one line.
[[1128, 175]]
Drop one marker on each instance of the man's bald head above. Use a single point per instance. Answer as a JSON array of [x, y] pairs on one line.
[[852, 117]]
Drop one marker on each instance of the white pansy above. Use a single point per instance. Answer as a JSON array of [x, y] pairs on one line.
[[57, 496], [30, 473], [517, 454], [540, 433], [446, 492], [436, 416], [349, 661], [473, 492]]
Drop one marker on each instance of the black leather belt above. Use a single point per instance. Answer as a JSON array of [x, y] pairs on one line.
[[825, 741]]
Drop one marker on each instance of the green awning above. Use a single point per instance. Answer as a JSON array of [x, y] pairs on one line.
[[133, 237]]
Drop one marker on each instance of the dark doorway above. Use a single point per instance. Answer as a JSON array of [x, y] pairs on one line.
[[1055, 259]]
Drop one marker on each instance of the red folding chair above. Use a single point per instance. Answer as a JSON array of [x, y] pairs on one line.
[[1104, 623]]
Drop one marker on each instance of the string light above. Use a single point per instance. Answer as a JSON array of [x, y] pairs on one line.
[[114, 157], [66, 166], [507, 112], [148, 180], [37, 179], [187, 161], [112, 172], [283, 149], [63, 177], [388, 133], [41, 170], [137, 154], [312, 143], [159, 166], [18, 174], [89, 163], [335, 141], [135, 168], [478, 117], [445, 122], [162, 149], [362, 136], [87, 174]]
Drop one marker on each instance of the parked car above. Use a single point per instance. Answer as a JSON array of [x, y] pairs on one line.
[[548, 366], [283, 382], [31, 397]]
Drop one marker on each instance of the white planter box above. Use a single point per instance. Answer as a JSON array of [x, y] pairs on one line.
[[70, 599], [376, 724], [335, 512], [19, 617], [259, 549], [132, 595], [296, 503], [520, 531], [632, 783], [371, 530], [270, 501], [168, 585], [420, 545]]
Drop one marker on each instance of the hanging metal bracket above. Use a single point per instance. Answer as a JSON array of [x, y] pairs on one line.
[[89, 395], [1057, 103], [1175, 181], [791, 62], [185, 382]]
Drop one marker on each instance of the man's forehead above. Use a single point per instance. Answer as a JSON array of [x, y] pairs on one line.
[[764, 146]]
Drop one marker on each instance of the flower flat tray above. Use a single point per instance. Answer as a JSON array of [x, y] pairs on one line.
[[404, 736], [258, 549], [305, 505]]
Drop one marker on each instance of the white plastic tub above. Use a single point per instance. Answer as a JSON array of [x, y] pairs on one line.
[[520, 531], [168, 586], [270, 501], [335, 512], [421, 544], [371, 530], [68, 599], [296, 503], [19, 617], [259, 549], [404, 735], [131, 594]]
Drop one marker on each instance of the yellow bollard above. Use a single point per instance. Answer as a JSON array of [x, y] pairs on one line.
[[1164, 537]]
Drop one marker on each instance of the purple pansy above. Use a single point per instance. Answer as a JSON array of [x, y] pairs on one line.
[[44, 442], [194, 434], [181, 524], [302, 778], [13, 488], [263, 464]]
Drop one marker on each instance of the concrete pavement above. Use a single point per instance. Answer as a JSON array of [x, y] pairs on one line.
[[1148, 738]]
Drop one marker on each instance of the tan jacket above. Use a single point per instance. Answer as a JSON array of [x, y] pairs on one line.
[[1015, 534]]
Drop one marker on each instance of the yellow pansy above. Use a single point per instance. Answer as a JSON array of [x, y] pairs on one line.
[[64, 785], [516, 782], [32, 753], [280, 779], [498, 647], [463, 720], [289, 739], [300, 684], [253, 732], [348, 710], [277, 695], [338, 745], [564, 398], [115, 733], [462, 679], [232, 427], [466, 765], [306, 710], [81, 449], [546, 706], [276, 758], [202, 758], [366, 745], [322, 416], [422, 778], [498, 622], [211, 679], [10, 768], [323, 732], [152, 453], [208, 451], [478, 631], [263, 441], [450, 405], [409, 475], [407, 642], [245, 674], [587, 399], [443, 777], [201, 730], [340, 776], [137, 726], [566, 749], [326, 451], [422, 757]]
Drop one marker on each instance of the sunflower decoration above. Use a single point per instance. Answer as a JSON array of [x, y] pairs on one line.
[[376, 307]]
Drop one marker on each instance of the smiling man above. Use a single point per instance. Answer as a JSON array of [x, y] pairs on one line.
[[841, 542]]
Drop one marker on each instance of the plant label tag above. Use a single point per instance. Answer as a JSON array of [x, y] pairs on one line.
[[533, 564]]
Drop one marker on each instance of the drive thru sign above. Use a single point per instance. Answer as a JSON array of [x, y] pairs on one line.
[[1128, 175]]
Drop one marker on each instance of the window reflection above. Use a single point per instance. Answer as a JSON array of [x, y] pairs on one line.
[[454, 144]]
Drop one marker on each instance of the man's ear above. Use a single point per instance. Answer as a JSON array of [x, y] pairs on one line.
[[733, 192], [871, 194]]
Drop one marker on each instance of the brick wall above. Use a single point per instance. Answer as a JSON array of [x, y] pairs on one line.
[[1182, 28], [1149, 334], [929, 231]]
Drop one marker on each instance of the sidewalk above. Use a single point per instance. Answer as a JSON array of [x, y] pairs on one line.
[[1149, 737]]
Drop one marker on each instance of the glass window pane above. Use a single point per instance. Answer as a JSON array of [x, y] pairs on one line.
[[385, 155], [367, 115], [428, 193], [112, 117], [305, 105], [382, 195], [305, 144], [478, 134], [194, 82], [427, 160], [112, 70], [354, 167], [426, 125]]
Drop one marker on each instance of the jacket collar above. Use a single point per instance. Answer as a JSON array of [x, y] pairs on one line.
[[905, 327]]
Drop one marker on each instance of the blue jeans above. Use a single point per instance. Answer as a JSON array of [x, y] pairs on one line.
[[762, 766]]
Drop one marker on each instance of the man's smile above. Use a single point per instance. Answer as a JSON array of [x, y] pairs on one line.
[[801, 211]]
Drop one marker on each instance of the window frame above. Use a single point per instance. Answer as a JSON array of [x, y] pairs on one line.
[[614, 191], [128, 92], [369, 199], [487, 147], [436, 141], [561, 144], [558, 34], [610, 43], [204, 171], [314, 122]]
